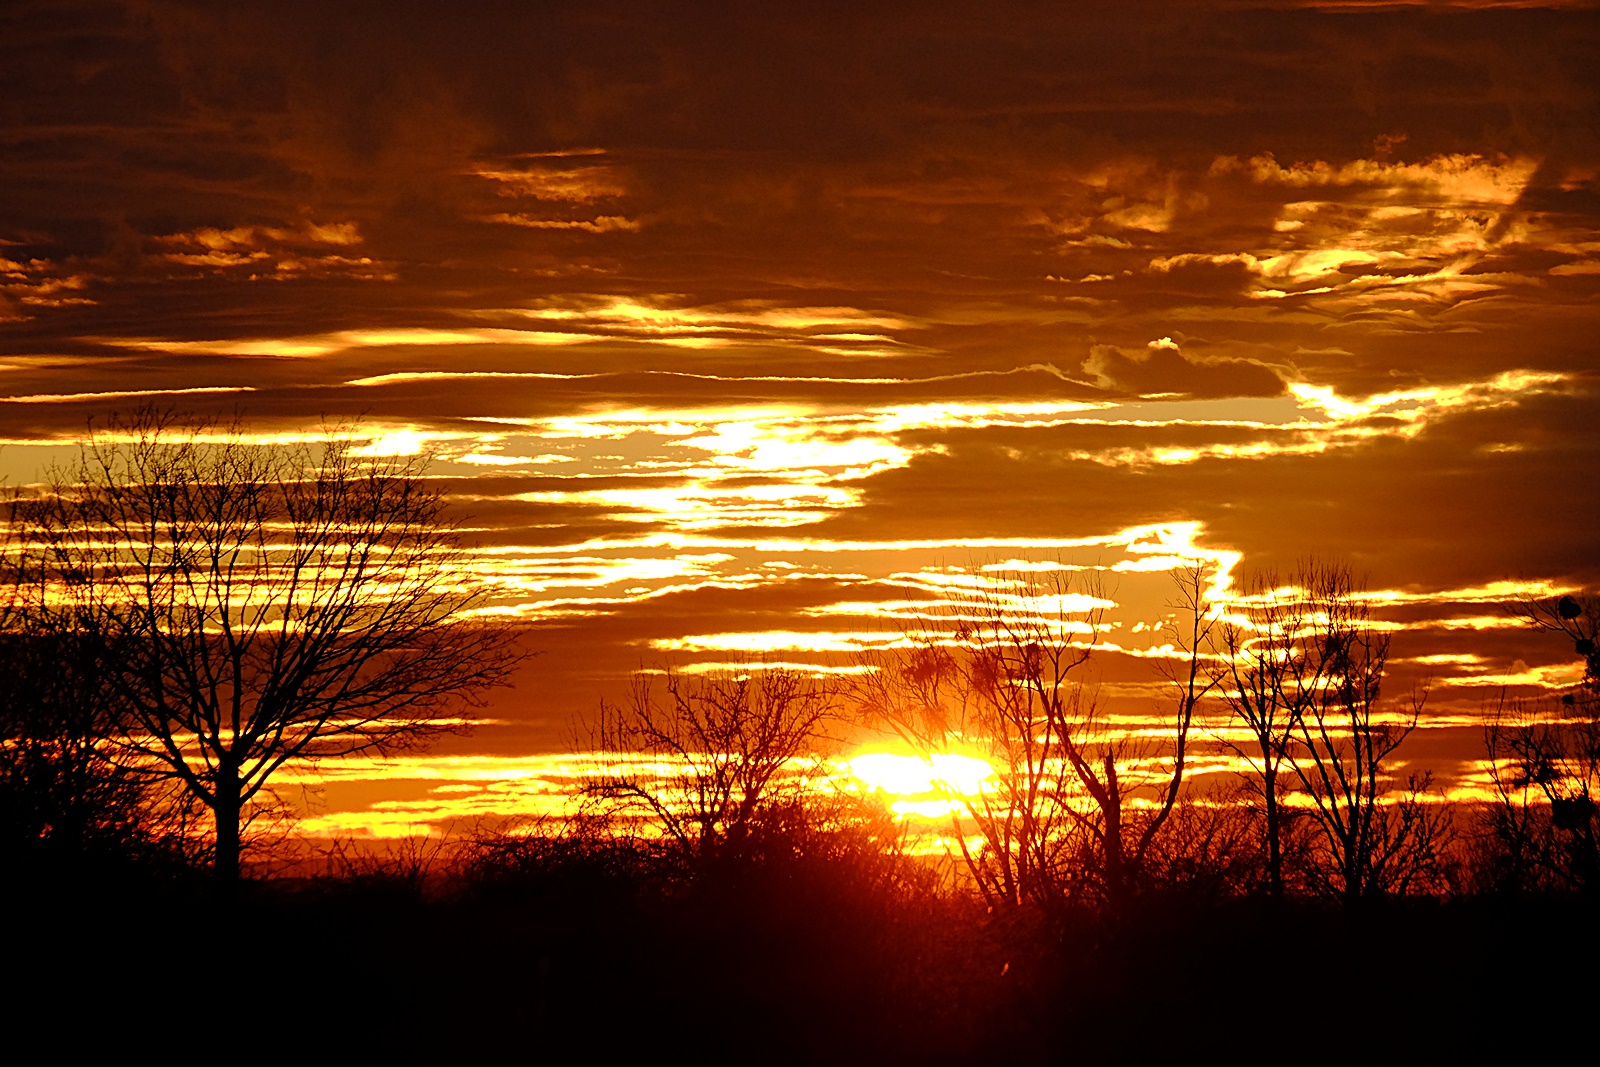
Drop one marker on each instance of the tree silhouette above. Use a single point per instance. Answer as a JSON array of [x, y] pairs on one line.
[[1375, 836], [61, 800], [1191, 627], [1002, 675], [1267, 669], [1578, 617], [704, 757], [1544, 764], [250, 603], [1301, 666]]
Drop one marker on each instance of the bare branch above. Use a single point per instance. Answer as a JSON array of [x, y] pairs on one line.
[[257, 604]]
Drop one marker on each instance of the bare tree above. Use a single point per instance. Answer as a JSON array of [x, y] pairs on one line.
[[254, 603], [61, 799], [704, 757], [1376, 836], [999, 676], [1002, 676], [1544, 764], [1544, 768], [1578, 617], [1267, 669], [1191, 627], [1301, 667]]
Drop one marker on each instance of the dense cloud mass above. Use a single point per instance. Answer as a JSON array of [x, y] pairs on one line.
[[737, 320]]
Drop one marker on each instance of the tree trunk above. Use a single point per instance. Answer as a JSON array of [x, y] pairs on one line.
[[1115, 868], [225, 867], [1356, 853], [1269, 786]]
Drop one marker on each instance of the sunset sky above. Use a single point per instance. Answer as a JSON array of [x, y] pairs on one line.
[[766, 328]]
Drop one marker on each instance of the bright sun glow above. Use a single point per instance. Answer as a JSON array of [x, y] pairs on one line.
[[911, 776]]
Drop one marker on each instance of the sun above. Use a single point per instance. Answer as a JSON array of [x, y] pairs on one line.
[[933, 787]]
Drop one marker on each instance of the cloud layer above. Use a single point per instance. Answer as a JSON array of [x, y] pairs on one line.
[[773, 323]]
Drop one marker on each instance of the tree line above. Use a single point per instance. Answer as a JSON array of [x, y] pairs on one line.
[[1285, 680], [187, 611]]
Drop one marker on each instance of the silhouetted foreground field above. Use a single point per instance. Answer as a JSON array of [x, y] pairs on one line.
[[574, 952]]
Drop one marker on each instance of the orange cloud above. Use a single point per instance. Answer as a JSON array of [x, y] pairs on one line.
[[1162, 367]]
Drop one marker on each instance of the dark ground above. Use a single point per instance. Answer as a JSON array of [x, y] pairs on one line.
[[591, 960]]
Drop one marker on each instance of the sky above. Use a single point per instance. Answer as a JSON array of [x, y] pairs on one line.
[[768, 330]]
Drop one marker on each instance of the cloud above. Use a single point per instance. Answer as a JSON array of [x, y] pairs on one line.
[[1162, 367], [40, 283], [576, 184], [1206, 274], [300, 250], [600, 224], [1448, 180], [652, 275]]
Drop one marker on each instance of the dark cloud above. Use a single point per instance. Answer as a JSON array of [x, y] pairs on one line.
[[902, 148], [1481, 497]]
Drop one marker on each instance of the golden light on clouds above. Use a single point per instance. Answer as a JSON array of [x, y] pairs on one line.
[[455, 791], [790, 356]]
